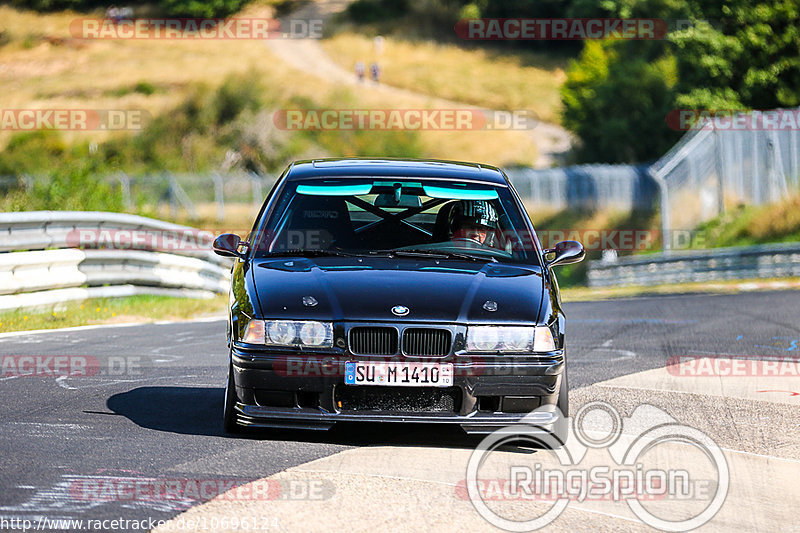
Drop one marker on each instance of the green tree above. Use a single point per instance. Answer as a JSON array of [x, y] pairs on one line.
[[618, 93], [618, 106], [749, 56]]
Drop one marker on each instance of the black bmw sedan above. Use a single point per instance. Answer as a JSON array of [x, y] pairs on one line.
[[394, 291]]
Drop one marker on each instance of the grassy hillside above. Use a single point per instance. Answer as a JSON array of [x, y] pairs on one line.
[[749, 225], [45, 68], [575, 220], [480, 77]]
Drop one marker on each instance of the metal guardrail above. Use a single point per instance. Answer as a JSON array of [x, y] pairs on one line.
[[40, 264], [718, 264], [40, 230]]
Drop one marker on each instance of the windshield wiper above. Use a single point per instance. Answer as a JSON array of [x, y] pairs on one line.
[[385, 253], [440, 255], [312, 253]]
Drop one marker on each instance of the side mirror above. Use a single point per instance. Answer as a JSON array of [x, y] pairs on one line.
[[227, 245], [565, 253]]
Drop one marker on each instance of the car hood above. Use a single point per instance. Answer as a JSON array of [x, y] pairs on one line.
[[366, 289]]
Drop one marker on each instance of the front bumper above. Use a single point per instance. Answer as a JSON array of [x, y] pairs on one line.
[[487, 394]]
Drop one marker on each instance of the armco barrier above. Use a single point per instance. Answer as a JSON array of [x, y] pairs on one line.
[[39, 230], [40, 275], [763, 261]]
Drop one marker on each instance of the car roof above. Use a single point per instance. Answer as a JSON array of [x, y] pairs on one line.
[[412, 168]]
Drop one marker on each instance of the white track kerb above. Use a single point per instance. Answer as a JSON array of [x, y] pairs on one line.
[[626, 441]]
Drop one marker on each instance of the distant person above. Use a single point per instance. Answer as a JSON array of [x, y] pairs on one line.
[[375, 70], [112, 13], [360, 71], [125, 13]]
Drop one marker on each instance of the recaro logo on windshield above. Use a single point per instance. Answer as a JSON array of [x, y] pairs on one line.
[[320, 214]]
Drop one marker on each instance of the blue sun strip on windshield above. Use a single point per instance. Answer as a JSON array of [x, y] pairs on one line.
[[334, 190], [459, 194]]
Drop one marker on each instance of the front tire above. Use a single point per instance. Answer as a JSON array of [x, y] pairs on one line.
[[229, 411]]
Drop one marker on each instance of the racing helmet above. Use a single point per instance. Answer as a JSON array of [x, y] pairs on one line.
[[470, 213]]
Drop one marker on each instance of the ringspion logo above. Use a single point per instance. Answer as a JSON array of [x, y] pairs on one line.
[[604, 458]]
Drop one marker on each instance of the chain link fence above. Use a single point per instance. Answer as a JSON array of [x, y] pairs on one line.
[[712, 168], [210, 195], [213, 195], [708, 170], [622, 187]]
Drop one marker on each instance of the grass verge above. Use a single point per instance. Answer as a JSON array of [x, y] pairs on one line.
[[749, 225], [151, 308], [142, 308], [582, 294]]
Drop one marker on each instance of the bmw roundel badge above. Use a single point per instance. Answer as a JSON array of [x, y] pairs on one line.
[[400, 310]]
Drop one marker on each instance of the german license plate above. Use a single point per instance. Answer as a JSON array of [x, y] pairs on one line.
[[398, 374]]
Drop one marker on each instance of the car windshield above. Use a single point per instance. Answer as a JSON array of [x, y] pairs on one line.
[[414, 217]]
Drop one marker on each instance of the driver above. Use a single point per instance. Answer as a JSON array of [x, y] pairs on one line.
[[474, 221]]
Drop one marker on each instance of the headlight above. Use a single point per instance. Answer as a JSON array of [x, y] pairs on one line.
[[315, 334], [281, 332], [483, 339], [509, 339], [289, 333]]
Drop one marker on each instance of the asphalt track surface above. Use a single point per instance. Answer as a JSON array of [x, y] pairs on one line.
[[75, 447]]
